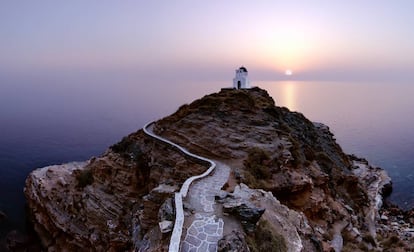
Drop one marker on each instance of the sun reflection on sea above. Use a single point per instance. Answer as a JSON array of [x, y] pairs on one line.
[[285, 93], [289, 94]]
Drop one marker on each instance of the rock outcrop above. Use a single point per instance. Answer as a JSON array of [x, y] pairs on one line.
[[291, 185], [108, 203], [248, 204]]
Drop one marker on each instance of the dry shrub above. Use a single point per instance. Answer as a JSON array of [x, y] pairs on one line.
[[265, 239], [84, 178]]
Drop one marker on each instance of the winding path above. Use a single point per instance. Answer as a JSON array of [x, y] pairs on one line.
[[206, 229]]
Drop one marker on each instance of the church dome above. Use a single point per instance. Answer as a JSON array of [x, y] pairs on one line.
[[243, 69]]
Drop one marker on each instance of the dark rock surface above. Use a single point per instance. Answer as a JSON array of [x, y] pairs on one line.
[[246, 212], [233, 242]]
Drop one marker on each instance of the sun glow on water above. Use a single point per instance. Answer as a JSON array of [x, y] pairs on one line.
[[289, 94]]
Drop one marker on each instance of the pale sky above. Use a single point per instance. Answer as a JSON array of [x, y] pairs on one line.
[[315, 39]]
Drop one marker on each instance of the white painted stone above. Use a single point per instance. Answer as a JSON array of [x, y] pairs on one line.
[[165, 226]]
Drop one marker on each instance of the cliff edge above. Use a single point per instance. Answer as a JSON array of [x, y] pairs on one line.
[[290, 185]]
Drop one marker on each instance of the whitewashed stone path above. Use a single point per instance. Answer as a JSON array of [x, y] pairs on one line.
[[206, 229]]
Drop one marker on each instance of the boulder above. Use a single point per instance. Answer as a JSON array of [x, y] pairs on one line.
[[291, 225], [166, 226], [248, 213], [167, 210]]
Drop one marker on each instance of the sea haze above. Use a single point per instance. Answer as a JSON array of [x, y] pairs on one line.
[[52, 119]]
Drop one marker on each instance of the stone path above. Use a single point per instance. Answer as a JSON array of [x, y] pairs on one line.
[[206, 229]]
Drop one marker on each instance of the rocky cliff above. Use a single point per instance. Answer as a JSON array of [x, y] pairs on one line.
[[291, 187]]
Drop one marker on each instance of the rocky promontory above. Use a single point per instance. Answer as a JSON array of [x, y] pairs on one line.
[[290, 186]]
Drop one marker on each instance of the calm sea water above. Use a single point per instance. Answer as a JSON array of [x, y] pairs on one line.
[[54, 119]]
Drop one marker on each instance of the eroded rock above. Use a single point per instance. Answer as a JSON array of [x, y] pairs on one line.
[[248, 214], [291, 225], [110, 202]]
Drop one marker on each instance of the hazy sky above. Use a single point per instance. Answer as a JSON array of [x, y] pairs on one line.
[[315, 39]]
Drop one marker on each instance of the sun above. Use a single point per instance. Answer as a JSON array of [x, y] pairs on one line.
[[288, 72]]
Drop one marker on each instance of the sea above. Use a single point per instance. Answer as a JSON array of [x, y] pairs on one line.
[[50, 119]]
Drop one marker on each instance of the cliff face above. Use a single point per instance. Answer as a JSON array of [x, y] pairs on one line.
[[293, 167], [107, 203]]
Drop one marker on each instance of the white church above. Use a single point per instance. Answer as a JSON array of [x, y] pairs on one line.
[[240, 81]]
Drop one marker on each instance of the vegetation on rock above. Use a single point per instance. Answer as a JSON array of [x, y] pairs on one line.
[[84, 178], [264, 239], [258, 165]]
